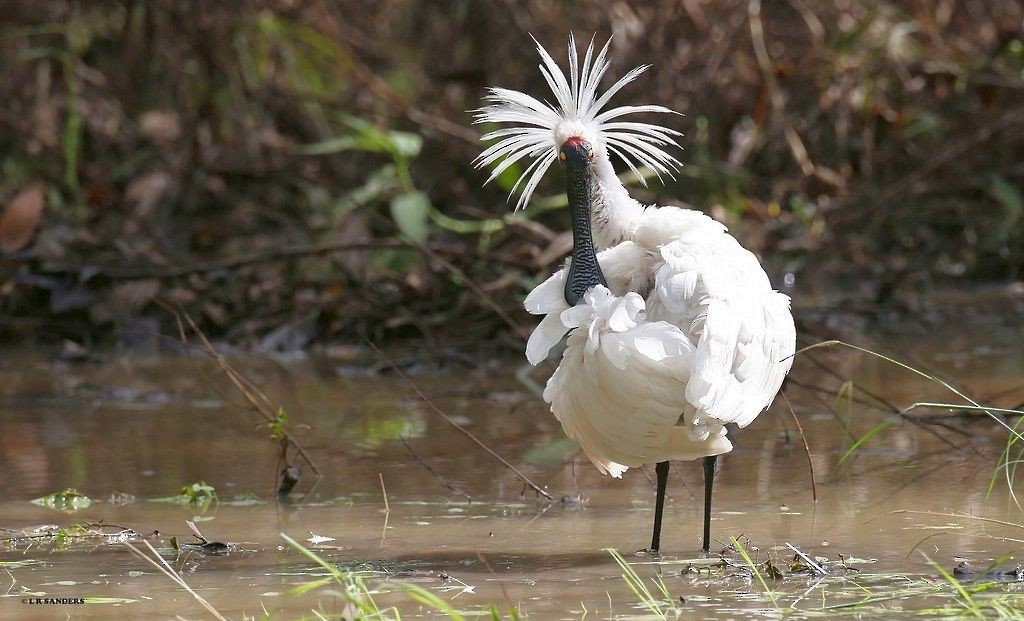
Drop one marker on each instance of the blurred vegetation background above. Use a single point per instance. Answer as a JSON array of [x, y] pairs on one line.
[[298, 171]]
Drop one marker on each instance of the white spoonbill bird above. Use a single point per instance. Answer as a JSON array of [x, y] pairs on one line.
[[674, 328]]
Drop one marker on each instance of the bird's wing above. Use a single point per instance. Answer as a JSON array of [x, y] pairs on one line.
[[618, 388], [716, 292]]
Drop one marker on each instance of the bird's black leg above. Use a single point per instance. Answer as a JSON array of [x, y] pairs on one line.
[[662, 471], [709, 482]]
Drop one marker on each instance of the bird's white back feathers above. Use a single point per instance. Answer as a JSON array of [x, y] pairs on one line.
[[539, 128]]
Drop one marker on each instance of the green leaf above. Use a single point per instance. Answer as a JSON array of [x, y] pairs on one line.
[[405, 143], [333, 145], [508, 177], [199, 494], [411, 213], [367, 138], [487, 226], [109, 600], [1012, 201], [382, 181]]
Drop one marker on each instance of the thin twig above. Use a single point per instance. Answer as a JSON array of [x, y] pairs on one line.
[[825, 404], [927, 376], [448, 419], [164, 568], [980, 135], [486, 299], [501, 584], [121, 272], [884, 402], [195, 531], [384, 492], [256, 398], [806, 559], [896, 410], [828, 391], [803, 439], [960, 408], [1002, 393], [956, 514], [387, 510], [443, 481]]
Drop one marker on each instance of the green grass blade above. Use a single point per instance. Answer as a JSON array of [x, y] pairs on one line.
[[877, 429], [746, 558]]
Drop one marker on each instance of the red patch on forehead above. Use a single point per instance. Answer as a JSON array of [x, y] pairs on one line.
[[573, 141]]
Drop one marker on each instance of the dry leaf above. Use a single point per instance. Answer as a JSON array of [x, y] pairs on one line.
[[20, 219], [146, 191], [125, 299], [160, 126], [46, 123]]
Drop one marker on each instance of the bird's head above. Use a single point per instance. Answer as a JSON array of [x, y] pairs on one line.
[[578, 130], [576, 153]]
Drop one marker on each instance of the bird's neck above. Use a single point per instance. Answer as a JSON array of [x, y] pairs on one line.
[[614, 213], [584, 270]]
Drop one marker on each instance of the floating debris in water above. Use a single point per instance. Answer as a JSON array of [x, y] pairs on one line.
[[198, 494], [965, 573], [204, 545], [121, 498], [316, 539], [576, 502], [70, 500], [247, 499], [62, 537], [289, 479]]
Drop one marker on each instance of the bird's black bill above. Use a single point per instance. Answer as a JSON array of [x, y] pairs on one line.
[[584, 270], [709, 483], [659, 506]]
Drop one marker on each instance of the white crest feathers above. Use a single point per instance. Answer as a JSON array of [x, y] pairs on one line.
[[540, 129]]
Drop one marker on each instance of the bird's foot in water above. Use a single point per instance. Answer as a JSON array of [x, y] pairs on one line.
[[655, 554]]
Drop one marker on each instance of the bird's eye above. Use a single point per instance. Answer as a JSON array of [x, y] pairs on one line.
[[561, 155]]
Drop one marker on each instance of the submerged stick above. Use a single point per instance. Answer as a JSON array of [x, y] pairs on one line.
[[256, 398], [448, 419], [827, 391], [892, 409], [437, 475], [384, 492], [501, 584], [164, 568], [927, 376], [387, 509], [806, 559], [807, 449]]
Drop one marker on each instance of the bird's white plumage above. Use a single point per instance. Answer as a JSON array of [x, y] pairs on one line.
[[687, 337], [542, 128]]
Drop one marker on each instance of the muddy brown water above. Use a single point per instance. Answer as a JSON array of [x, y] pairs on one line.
[[148, 425]]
